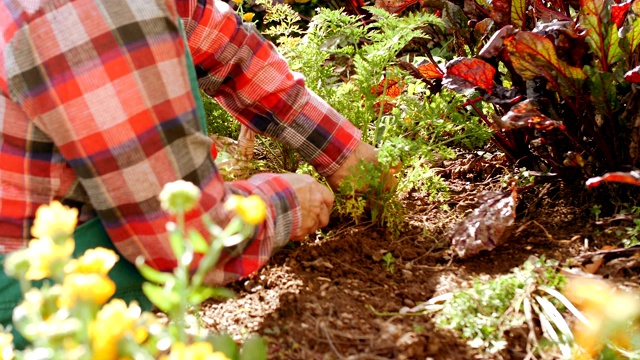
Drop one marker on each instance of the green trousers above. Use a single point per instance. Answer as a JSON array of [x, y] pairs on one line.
[[88, 235]]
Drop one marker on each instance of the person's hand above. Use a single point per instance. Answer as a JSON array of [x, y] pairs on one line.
[[315, 202], [368, 153]]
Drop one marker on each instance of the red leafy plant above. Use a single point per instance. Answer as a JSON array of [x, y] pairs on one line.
[[561, 78]]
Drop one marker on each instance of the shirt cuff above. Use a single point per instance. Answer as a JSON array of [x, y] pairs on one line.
[[284, 216]]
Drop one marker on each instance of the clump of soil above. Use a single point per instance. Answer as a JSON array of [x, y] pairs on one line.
[[332, 297]]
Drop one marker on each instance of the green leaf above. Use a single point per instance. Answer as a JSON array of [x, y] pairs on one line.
[[453, 16], [602, 34], [202, 293], [152, 274], [533, 55], [198, 241], [612, 43], [224, 343], [177, 243], [603, 92], [164, 300], [632, 38], [518, 13], [253, 348]]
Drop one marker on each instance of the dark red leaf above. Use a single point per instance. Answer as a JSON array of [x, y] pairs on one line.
[[633, 75], [632, 177], [485, 227], [430, 70], [466, 74], [548, 15], [501, 12], [483, 26], [619, 12], [558, 28], [526, 114], [496, 43], [394, 6]]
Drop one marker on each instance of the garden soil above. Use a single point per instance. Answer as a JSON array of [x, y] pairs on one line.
[[332, 297]]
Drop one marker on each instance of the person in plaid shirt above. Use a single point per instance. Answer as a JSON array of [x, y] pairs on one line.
[[96, 110]]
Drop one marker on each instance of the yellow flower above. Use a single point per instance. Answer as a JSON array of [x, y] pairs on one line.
[[251, 209], [93, 261], [113, 322], [247, 17], [6, 346], [54, 220], [238, 1], [178, 196], [608, 311], [47, 257], [196, 351], [87, 287]]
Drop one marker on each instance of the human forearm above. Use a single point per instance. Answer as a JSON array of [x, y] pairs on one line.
[[252, 81]]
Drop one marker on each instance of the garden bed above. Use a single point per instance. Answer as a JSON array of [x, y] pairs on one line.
[[334, 297]]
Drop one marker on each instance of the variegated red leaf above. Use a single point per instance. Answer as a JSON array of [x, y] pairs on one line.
[[430, 70], [466, 74], [526, 114]]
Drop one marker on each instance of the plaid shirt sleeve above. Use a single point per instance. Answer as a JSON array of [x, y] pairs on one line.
[[252, 81], [96, 93]]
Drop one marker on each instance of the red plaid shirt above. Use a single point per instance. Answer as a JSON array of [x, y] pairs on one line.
[[96, 108]]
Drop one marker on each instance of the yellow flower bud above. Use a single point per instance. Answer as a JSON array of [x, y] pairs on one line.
[[196, 351], [113, 322], [93, 261], [247, 17], [45, 256], [88, 287], [6, 346], [179, 196], [54, 220], [251, 209]]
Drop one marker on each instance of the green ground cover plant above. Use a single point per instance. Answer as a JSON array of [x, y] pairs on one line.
[[487, 310]]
